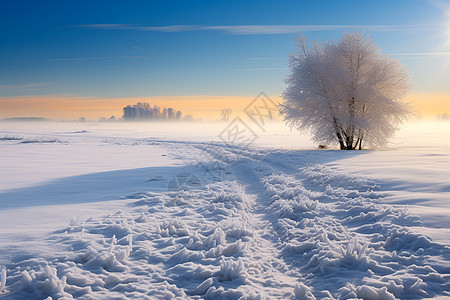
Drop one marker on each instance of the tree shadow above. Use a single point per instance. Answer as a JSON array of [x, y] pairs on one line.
[[93, 187]]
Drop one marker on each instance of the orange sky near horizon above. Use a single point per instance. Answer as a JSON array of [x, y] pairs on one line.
[[71, 108], [201, 107]]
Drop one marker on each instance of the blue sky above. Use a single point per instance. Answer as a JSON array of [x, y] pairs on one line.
[[158, 48]]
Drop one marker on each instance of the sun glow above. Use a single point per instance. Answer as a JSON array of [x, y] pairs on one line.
[[445, 8], [447, 27], [446, 32]]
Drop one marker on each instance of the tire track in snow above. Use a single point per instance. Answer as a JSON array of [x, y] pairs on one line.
[[267, 229], [341, 230]]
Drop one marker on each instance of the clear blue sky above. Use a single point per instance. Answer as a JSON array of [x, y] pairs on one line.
[[146, 48]]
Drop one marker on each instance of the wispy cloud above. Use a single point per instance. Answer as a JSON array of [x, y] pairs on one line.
[[264, 58], [253, 29], [258, 69], [26, 86], [290, 29], [171, 28], [96, 58], [105, 26], [420, 53]]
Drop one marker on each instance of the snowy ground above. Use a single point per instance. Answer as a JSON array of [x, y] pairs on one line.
[[113, 210]]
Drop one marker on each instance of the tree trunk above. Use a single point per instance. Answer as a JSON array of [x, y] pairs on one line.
[[357, 142], [338, 134], [341, 140], [349, 141], [351, 130]]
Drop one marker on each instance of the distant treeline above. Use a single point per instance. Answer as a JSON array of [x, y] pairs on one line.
[[144, 111]]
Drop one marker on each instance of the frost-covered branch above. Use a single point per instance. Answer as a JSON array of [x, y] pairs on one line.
[[345, 92]]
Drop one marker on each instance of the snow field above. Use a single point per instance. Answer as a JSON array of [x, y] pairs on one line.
[[333, 225], [201, 244], [262, 224]]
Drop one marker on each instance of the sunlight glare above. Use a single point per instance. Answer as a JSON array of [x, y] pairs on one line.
[[447, 27]]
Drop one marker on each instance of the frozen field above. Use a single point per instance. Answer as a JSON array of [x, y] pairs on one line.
[[155, 210]]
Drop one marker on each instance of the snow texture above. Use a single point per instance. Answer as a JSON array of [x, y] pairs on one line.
[[272, 224]]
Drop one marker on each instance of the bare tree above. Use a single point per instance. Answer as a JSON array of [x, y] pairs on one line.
[[226, 112], [345, 92]]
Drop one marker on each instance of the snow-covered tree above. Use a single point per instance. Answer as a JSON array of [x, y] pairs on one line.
[[345, 92]]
